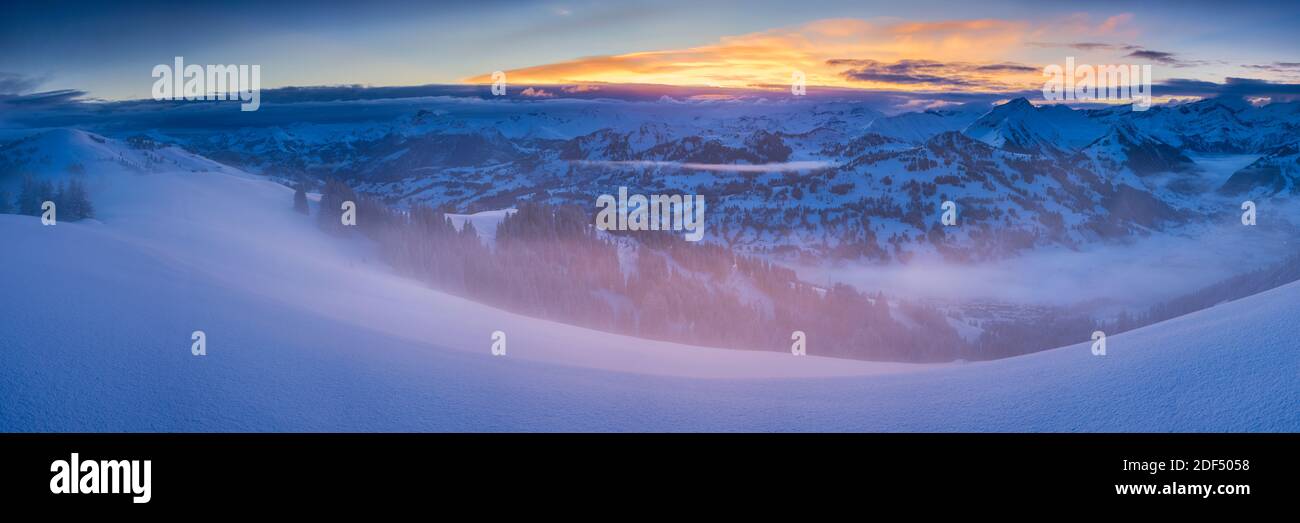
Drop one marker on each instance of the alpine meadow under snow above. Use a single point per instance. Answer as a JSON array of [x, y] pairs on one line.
[[312, 331]]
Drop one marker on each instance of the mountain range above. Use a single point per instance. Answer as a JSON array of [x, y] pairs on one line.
[[799, 179], [311, 332]]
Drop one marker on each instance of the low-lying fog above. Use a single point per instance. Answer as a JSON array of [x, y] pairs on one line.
[[1107, 277]]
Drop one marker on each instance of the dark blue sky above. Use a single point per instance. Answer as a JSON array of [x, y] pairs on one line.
[[109, 48]]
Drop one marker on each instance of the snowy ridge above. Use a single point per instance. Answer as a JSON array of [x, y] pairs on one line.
[[798, 177], [1277, 173], [309, 333], [920, 126]]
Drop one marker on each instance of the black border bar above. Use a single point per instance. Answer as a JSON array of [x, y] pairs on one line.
[[477, 471]]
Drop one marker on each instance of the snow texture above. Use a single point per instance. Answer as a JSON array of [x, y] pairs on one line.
[[306, 332]]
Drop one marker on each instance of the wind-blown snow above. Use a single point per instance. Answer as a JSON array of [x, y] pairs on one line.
[[306, 332], [485, 222]]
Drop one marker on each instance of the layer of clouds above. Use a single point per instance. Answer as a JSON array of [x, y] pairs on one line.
[[816, 49], [534, 92], [1130, 51], [1286, 68], [1083, 46], [47, 98], [933, 73], [14, 83], [1235, 87], [350, 103], [17, 91], [1162, 57]]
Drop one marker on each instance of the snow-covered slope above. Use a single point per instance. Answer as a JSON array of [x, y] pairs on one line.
[[66, 152], [1223, 125], [1127, 150], [920, 126], [485, 223], [1277, 172], [797, 176], [308, 332], [1021, 127]]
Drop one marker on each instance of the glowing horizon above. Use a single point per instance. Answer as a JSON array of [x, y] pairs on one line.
[[976, 55], [1000, 46]]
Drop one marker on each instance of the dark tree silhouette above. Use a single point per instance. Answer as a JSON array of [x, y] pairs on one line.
[[330, 213], [6, 202], [74, 201], [300, 198], [29, 197], [550, 262]]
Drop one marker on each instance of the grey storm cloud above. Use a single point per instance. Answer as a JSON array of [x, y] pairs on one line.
[[1157, 56], [1233, 87], [928, 72], [14, 83], [1134, 51], [1087, 46], [1277, 67], [1162, 57], [1008, 67]]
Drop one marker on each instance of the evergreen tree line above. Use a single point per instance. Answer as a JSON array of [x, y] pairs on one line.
[[1233, 288], [549, 262], [300, 198], [71, 199], [332, 196], [1004, 339]]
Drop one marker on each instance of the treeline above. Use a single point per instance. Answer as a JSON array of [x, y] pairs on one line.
[[1233, 288], [1013, 338], [1005, 339], [550, 262], [71, 199]]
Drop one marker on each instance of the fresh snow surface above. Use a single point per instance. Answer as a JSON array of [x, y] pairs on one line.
[[485, 222], [311, 333]]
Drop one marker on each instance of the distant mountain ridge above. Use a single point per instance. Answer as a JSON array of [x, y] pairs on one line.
[[865, 185]]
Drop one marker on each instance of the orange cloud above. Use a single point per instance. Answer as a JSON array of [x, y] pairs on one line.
[[878, 54]]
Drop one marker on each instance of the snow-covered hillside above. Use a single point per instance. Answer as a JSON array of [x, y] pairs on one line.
[[1019, 126], [310, 332], [828, 179], [917, 127]]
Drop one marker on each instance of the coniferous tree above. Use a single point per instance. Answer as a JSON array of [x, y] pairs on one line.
[[87, 208], [29, 197], [300, 198], [327, 215], [47, 194], [59, 199], [75, 201], [6, 202], [468, 232], [549, 262], [332, 197]]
